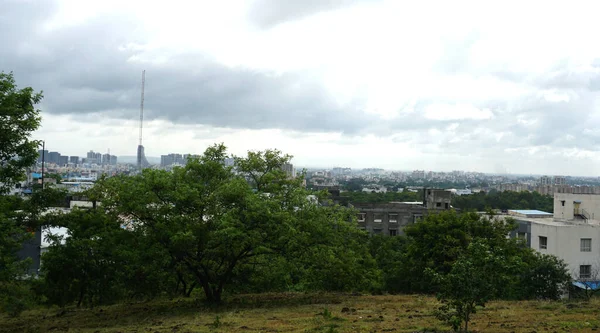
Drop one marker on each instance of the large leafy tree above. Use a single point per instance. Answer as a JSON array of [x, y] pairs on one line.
[[18, 119], [438, 240], [213, 220], [477, 276]]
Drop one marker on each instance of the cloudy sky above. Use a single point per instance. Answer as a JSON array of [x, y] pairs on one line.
[[438, 85]]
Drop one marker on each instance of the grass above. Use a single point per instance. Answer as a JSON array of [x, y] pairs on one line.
[[290, 312]]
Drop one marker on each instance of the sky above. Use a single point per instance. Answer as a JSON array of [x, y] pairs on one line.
[[503, 86]]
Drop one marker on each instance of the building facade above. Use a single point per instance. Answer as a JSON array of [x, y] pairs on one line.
[[391, 218], [572, 233]]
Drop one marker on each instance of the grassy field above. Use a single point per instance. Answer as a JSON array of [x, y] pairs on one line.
[[305, 313]]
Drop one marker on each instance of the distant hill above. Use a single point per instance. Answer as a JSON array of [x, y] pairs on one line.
[[133, 159]]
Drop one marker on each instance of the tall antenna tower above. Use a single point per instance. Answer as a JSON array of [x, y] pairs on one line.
[[142, 105], [142, 162]]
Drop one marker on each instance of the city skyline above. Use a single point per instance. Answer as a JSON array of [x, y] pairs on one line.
[[353, 82]]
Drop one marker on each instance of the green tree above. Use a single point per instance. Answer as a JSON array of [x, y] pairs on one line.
[[477, 276], [542, 277], [87, 266], [214, 221], [439, 239], [18, 119]]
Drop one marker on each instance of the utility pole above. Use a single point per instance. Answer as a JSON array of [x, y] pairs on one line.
[[43, 160]]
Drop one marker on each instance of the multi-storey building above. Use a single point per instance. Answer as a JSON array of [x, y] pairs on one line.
[[572, 233], [391, 218], [545, 180]]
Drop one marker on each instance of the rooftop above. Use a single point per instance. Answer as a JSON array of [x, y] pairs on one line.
[[530, 212]]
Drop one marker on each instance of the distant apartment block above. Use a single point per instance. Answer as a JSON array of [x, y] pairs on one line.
[[289, 170], [560, 180], [391, 218], [545, 180], [418, 174], [173, 159]]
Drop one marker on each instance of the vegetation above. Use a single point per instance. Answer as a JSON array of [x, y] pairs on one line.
[[504, 200], [18, 119], [366, 197], [301, 312]]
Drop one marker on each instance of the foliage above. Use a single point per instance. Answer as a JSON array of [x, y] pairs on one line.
[[86, 266], [438, 240], [543, 277], [476, 277], [365, 197], [388, 252], [18, 119], [216, 224], [504, 200]]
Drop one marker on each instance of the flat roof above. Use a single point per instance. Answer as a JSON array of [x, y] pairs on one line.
[[530, 212]]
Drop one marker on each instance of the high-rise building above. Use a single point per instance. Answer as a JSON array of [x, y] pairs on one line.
[[560, 180], [42, 154], [545, 180], [170, 159], [74, 160], [106, 159], [113, 160], [63, 160], [53, 157], [288, 168]]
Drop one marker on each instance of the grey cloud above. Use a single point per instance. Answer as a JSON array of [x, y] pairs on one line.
[[84, 70], [269, 13]]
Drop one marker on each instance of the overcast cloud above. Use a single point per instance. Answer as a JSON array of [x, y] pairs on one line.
[[507, 87]]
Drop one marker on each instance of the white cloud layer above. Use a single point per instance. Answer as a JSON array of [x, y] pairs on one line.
[[403, 85]]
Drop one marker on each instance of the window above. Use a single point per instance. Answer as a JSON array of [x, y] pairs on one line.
[[447, 205], [378, 218], [585, 271], [438, 204], [393, 232], [522, 235], [586, 245], [543, 242], [393, 218], [562, 202], [376, 231], [361, 217]]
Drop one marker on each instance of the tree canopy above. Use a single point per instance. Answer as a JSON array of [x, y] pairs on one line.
[[18, 119]]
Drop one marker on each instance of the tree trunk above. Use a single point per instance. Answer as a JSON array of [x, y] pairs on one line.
[[189, 291]]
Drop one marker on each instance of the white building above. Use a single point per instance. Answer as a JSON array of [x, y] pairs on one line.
[[572, 233]]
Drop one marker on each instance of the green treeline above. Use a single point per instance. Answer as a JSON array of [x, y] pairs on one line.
[[504, 200], [366, 197]]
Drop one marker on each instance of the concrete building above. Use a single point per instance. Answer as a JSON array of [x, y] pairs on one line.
[[570, 206], [388, 218], [53, 157], [545, 180], [391, 218], [74, 160], [288, 168], [572, 233], [560, 180], [42, 154], [63, 160], [170, 159], [436, 199]]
